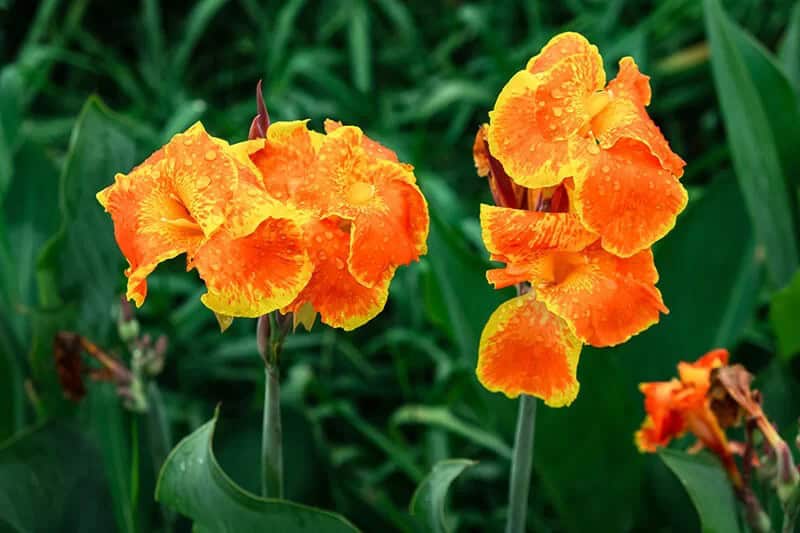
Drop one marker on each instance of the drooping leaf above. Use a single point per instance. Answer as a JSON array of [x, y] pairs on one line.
[[50, 481], [784, 311], [192, 482], [704, 479], [429, 500], [758, 124]]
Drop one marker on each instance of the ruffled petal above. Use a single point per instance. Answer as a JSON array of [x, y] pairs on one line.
[[628, 198], [570, 44], [332, 291], [257, 274], [625, 117], [285, 160], [605, 299], [698, 374], [525, 349], [394, 234], [536, 122], [519, 235], [373, 148]]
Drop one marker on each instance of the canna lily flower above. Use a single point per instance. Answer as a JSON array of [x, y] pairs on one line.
[[680, 405], [580, 293], [557, 120], [362, 214], [197, 196]]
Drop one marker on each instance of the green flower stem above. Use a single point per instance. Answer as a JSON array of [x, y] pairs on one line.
[[521, 461], [272, 436]]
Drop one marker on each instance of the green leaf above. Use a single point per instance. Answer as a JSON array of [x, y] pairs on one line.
[[11, 88], [783, 312], [192, 482], [704, 479], [789, 51], [759, 124], [83, 261], [428, 502], [50, 482], [442, 417], [358, 40]]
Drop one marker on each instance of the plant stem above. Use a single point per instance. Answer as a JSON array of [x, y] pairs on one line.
[[271, 435], [521, 461]]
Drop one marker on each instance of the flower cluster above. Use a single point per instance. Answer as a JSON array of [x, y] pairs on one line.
[[298, 221], [584, 184]]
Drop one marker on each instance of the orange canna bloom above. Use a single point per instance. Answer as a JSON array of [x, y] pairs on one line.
[[197, 196], [557, 120], [363, 214], [680, 405]]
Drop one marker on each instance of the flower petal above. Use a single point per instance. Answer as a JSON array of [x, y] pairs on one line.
[[565, 45], [664, 420], [480, 151], [390, 236], [698, 374], [625, 117], [518, 235], [628, 198], [339, 298], [373, 148], [254, 275], [606, 299], [525, 349], [536, 121]]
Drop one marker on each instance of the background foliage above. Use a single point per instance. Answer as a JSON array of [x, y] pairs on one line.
[[367, 414]]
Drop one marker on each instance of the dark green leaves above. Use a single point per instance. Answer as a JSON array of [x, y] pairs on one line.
[[428, 502], [192, 482], [761, 119], [704, 479], [784, 313]]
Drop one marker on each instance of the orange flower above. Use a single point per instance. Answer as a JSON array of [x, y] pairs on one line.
[[557, 119], [593, 296], [197, 196], [363, 214], [680, 405]]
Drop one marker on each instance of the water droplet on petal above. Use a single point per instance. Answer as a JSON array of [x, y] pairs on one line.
[[557, 111], [211, 155], [593, 149], [339, 264]]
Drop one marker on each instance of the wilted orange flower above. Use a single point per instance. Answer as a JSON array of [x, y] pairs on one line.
[[680, 405], [557, 119], [197, 196], [362, 214]]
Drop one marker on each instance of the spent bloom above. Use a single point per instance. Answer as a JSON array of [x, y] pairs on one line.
[[584, 183], [299, 222]]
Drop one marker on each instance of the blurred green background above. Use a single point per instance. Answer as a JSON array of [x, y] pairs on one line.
[[89, 88]]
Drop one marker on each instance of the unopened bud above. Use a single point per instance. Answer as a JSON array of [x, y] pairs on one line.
[[128, 330], [260, 123]]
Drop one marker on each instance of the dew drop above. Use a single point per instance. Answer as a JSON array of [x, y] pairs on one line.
[[616, 186], [188, 141], [557, 111], [651, 185], [606, 168], [188, 161], [556, 93], [339, 264], [211, 155], [329, 235]]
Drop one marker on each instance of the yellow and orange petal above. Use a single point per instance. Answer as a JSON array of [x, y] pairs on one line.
[[480, 151], [698, 374], [389, 214], [628, 198], [285, 160], [253, 275], [606, 299], [625, 117], [519, 235], [569, 44], [339, 298], [534, 122], [525, 349], [373, 148], [664, 421]]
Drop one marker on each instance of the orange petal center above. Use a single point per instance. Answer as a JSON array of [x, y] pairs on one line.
[[360, 193], [178, 216], [595, 103]]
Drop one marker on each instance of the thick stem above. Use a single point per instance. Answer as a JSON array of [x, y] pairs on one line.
[[521, 461], [272, 436]]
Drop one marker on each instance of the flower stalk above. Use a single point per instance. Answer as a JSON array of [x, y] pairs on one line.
[[521, 462]]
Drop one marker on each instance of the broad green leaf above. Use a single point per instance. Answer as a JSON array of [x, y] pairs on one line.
[[83, 260], [192, 482], [428, 502], [704, 479], [784, 312], [50, 482], [752, 121]]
